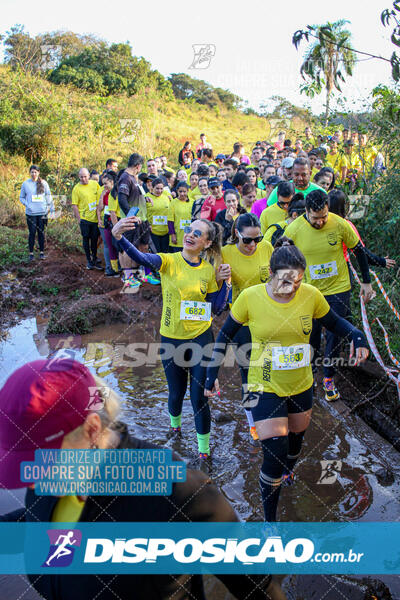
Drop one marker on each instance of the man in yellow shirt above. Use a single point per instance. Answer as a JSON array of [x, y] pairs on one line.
[[85, 197], [350, 165], [333, 158], [366, 154], [320, 235]]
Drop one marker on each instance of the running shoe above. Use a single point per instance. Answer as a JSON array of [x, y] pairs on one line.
[[112, 274], [204, 462], [97, 264], [42, 256], [288, 478], [254, 434], [89, 265], [31, 258], [131, 285], [150, 279], [331, 393]]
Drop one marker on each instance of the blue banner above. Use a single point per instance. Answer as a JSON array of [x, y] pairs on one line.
[[121, 548]]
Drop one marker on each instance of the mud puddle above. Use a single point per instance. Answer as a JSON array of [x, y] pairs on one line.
[[342, 474]]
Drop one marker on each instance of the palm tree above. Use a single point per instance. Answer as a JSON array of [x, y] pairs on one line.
[[327, 60]]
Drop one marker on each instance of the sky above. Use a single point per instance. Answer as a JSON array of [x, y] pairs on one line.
[[254, 56]]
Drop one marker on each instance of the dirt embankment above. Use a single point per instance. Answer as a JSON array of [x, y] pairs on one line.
[[75, 300]]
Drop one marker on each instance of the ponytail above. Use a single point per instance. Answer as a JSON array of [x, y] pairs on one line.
[[214, 234], [286, 256]]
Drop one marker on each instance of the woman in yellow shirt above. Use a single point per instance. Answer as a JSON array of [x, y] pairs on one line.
[[190, 292], [253, 179], [248, 256], [280, 316], [157, 215], [179, 217]]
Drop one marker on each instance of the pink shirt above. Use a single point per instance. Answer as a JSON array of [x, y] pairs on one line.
[[259, 206]]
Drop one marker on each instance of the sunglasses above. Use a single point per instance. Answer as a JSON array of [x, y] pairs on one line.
[[196, 232], [248, 240]]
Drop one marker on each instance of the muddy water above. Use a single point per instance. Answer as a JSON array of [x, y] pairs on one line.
[[339, 475]]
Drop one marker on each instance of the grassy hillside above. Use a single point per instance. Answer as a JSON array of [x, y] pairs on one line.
[[62, 129]]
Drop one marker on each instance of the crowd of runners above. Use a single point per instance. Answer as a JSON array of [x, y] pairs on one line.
[[262, 235]]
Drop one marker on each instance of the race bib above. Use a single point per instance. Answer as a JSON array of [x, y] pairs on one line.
[[92, 205], [185, 223], [290, 357], [39, 198], [323, 271], [159, 220], [195, 311]]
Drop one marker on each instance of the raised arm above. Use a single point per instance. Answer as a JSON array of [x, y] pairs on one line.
[[152, 261]]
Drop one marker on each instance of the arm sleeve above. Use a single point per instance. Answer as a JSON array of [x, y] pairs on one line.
[[225, 336], [218, 299], [343, 328], [152, 261], [123, 202], [363, 262], [22, 195], [374, 259]]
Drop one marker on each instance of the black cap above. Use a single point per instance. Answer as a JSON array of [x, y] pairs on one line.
[[273, 180], [213, 182]]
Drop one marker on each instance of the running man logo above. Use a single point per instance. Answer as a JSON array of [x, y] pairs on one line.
[[306, 324], [330, 469], [129, 129], [97, 398], [62, 547], [50, 56], [203, 53]]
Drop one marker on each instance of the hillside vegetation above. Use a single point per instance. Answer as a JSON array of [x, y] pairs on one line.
[[63, 128]]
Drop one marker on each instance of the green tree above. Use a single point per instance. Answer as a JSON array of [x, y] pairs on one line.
[[22, 51], [197, 90], [107, 70], [327, 60], [389, 16]]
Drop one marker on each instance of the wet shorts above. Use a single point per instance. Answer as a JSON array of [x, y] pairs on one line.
[[270, 406], [140, 235]]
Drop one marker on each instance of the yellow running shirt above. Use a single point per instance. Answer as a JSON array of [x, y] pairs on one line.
[[184, 289], [280, 332], [194, 194], [157, 214], [247, 270], [86, 198], [271, 214], [67, 510], [334, 161], [113, 205], [323, 250], [180, 213]]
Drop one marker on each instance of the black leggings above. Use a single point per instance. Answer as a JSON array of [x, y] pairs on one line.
[[36, 223], [177, 377], [161, 242], [90, 233], [280, 453]]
